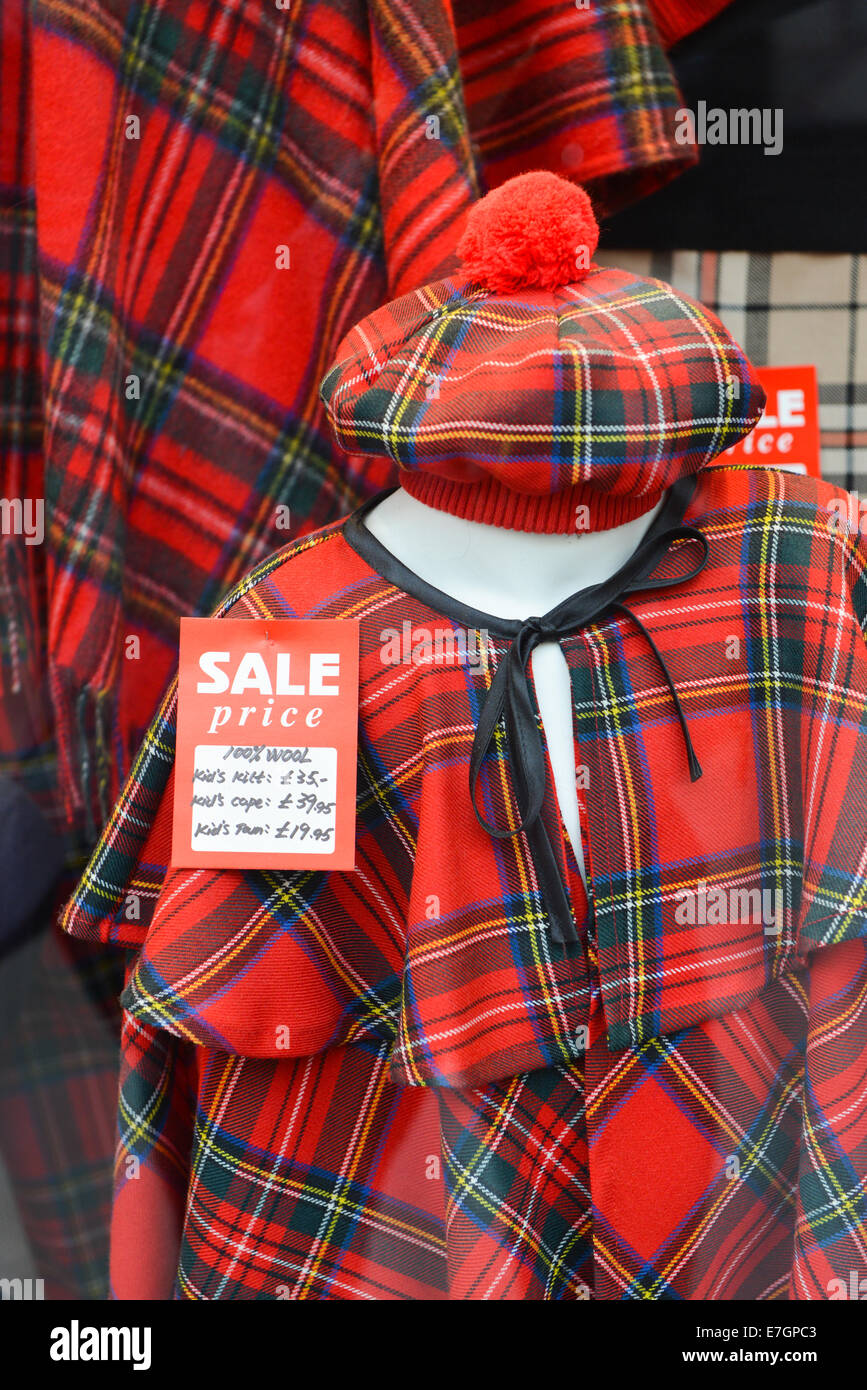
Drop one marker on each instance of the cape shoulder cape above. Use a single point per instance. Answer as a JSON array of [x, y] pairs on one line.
[[773, 676], [728, 929]]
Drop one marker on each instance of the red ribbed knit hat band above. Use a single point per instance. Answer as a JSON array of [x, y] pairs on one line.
[[568, 512]]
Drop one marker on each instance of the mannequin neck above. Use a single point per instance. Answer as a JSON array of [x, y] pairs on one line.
[[512, 574], [517, 575]]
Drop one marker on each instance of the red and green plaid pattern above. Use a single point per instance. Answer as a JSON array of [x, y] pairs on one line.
[[26, 748], [58, 1099], [401, 1084], [159, 373], [59, 1046], [618, 383]]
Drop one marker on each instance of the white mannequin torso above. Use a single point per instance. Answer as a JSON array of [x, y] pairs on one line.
[[513, 574]]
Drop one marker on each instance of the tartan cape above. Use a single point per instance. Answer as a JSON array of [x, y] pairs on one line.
[[391, 1083]]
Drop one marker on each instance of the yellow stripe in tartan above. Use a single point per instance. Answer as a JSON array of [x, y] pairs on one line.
[[648, 432], [843, 905], [463, 1184], [304, 1188], [136, 1127], [380, 787], [823, 1170], [424, 950], [443, 96], [404, 400], [818, 1037], [775, 759], [719, 685], [137, 1132], [169, 1020], [474, 309], [628, 815], [654, 893], [650, 290], [341, 1203], [582, 1231]]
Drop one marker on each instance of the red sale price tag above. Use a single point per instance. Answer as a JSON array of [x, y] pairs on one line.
[[266, 746], [787, 435]]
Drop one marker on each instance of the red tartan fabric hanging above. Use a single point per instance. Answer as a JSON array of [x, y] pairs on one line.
[[177, 150]]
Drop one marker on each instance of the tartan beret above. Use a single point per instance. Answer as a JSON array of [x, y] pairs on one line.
[[607, 382]]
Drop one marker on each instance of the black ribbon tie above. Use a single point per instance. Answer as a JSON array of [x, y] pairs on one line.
[[510, 694]]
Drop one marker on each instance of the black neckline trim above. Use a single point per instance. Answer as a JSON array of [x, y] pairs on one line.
[[384, 563]]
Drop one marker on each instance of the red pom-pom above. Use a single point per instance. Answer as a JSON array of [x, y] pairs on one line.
[[536, 231]]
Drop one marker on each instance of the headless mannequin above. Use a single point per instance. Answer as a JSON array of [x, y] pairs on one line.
[[513, 574]]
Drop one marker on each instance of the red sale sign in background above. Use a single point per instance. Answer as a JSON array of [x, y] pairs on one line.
[[787, 435], [266, 746]]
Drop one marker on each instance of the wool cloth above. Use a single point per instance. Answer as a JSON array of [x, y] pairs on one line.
[[159, 382], [393, 1083], [594, 395]]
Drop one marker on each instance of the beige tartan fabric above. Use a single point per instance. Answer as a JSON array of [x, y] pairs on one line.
[[785, 309]]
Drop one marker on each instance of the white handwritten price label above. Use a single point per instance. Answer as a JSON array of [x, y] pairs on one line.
[[266, 747]]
